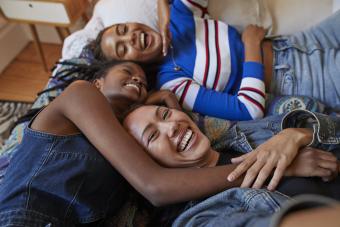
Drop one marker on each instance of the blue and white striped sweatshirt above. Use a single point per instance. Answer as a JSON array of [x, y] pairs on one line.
[[213, 78]]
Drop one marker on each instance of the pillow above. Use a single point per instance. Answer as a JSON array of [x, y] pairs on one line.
[[241, 13], [121, 11]]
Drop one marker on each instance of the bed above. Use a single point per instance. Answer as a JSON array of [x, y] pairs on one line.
[[279, 16]]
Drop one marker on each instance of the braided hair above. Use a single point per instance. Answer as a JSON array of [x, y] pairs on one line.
[[82, 71]]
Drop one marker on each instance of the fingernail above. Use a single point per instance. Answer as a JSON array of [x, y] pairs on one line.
[[230, 178]]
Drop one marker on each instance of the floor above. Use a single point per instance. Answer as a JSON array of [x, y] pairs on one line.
[[25, 76]]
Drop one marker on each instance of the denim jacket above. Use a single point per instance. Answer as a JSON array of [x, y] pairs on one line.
[[235, 208]]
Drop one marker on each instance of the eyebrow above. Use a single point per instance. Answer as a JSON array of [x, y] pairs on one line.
[[156, 114], [116, 43]]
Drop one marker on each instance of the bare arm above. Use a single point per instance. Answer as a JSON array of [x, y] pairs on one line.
[[327, 217], [87, 108], [164, 23], [252, 38]]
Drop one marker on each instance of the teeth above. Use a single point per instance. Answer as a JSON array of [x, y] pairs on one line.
[[185, 141], [142, 40], [133, 86]]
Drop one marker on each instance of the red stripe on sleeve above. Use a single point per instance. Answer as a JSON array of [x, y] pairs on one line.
[[217, 76], [207, 53], [184, 92], [256, 103], [253, 90]]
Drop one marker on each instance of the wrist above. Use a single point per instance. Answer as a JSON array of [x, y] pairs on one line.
[[301, 136], [252, 43]]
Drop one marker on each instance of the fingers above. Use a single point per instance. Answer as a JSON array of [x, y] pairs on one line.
[[166, 38], [241, 168], [278, 173], [327, 160], [165, 44], [263, 175], [173, 103], [321, 172], [251, 174], [330, 165], [239, 159]]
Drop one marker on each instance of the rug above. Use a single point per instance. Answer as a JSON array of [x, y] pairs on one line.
[[10, 112]]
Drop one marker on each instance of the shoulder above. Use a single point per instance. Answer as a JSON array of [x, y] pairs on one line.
[[79, 86]]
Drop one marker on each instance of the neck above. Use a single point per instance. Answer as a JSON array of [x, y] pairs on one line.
[[120, 105], [211, 159]]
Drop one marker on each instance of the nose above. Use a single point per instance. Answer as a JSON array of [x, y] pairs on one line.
[[130, 38], [170, 127]]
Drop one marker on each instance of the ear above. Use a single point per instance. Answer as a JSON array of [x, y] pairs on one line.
[[98, 83]]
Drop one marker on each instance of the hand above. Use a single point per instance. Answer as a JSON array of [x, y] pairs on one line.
[[253, 34], [163, 24], [275, 154], [312, 162], [163, 97]]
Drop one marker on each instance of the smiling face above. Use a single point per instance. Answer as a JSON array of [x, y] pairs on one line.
[[126, 80], [131, 41], [170, 136]]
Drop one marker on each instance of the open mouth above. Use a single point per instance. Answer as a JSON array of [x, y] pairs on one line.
[[144, 40], [134, 86], [186, 139]]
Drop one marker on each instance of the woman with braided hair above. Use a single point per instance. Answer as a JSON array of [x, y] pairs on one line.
[[70, 165]]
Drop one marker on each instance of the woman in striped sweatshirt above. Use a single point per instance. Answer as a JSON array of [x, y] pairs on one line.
[[215, 71]]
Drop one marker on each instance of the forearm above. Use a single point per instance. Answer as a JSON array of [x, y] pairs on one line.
[[253, 51], [313, 218], [162, 8], [188, 184]]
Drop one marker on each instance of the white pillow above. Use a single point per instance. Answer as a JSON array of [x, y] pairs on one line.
[[122, 11], [241, 13]]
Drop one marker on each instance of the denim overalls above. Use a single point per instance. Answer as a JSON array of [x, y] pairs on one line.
[[58, 181]]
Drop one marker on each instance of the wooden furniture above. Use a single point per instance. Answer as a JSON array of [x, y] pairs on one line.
[[59, 13]]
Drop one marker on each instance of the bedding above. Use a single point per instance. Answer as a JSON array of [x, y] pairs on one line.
[[262, 12]]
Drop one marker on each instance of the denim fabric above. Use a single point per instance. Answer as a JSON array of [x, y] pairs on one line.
[[244, 136], [326, 128], [62, 177], [308, 63], [29, 218], [234, 208]]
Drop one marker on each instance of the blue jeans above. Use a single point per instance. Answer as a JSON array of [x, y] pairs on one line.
[[308, 63], [234, 208]]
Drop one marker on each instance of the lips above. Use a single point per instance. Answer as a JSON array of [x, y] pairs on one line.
[[186, 139], [135, 86]]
